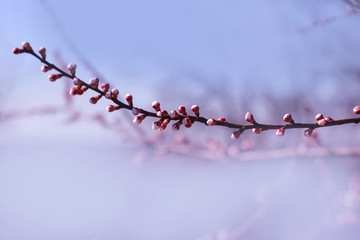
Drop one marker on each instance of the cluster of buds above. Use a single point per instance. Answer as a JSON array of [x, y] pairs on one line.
[[180, 116], [323, 121]]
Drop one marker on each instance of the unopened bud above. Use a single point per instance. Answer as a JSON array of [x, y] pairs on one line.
[[156, 105], [42, 52], [17, 50], [176, 126], [236, 134], [156, 125], [211, 122], [288, 118], [356, 110], [105, 87], [138, 119], [135, 111], [108, 95], [95, 99], [77, 81], [322, 122], [94, 82], [222, 119], [182, 110], [129, 99], [173, 114], [54, 77], [164, 124], [26, 46], [115, 92], [308, 132], [195, 109], [249, 118], [319, 117], [280, 132], [72, 68], [74, 91], [257, 130], [45, 68], [111, 108], [329, 119], [187, 122]]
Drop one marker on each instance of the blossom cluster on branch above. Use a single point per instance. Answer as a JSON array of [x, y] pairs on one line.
[[179, 117]]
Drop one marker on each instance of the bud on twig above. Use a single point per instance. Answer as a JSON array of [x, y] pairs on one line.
[[54, 77], [187, 122], [156, 105], [249, 118], [280, 132], [308, 132], [26, 46], [222, 119], [257, 130], [42, 52], [356, 110], [195, 109], [77, 81], [17, 50], [138, 119], [94, 82], [236, 134], [156, 125], [135, 111], [45, 68], [105, 87], [182, 110], [173, 114], [211, 122], [72, 68], [129, 99], [288, 118], [95, 99], [176, 126]]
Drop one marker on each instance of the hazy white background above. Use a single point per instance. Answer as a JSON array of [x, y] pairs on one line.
[[79, 181]]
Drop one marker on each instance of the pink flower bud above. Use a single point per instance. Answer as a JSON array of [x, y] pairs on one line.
[[322, 122], [77, 81], [156, 105], [42, 52], [17, 50], [222, 119], [176, 126], [195, 109], [159, 114], [72, 68], [356, 110], [94, 82], [26, 46], [249, 118], [105, 87], [164, 124], [135, 111], [138, 119], [84, 88], [257, 130], [288, 118], [211, 122], [236, 134], [280, 132], [45, 68], [129, 99], [308, 132], [111, 108], [156, 125], [108, 95], [115, 92], [54, 77], [319, 117], [182, 110], [187, 122], [173, 114], [74, 91], [329, 119], [95, 99]]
